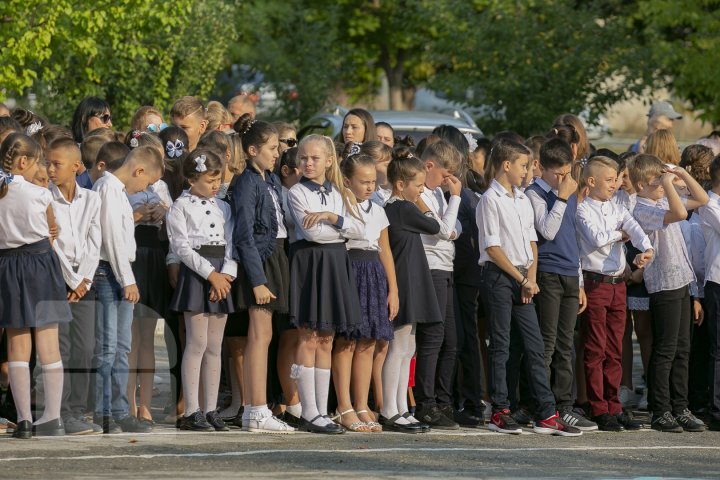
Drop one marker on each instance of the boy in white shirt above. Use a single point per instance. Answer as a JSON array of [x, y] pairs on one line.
[[115, 287], [602, 227], [77, 215]]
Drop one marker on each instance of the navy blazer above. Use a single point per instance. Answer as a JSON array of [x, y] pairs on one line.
[[256, 226]]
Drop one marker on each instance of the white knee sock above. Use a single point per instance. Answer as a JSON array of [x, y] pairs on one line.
[[53, 385], [392, 375], [19, 373], [294, 410], [322, 389], [196, 328], [212, 364], [305, 377]]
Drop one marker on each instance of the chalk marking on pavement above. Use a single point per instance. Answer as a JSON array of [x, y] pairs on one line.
[[362, 451]]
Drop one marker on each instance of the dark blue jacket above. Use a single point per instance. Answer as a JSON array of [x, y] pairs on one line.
[[467, 254], [256, 226]]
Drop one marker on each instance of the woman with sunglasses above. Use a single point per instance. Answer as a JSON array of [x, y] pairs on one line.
[[91, 113], [287, 136], [148, 119]]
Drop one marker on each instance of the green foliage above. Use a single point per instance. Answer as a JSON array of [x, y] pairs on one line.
[[129, 52]]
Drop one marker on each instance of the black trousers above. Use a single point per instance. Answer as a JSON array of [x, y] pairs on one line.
[[505, 311], [469, 375], [700, 376], [712, 319], [557, 309], [436, 345], [669, 360], [77, 346]]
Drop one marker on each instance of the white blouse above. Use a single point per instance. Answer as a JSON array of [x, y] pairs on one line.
[[23, 214], [375, 222]]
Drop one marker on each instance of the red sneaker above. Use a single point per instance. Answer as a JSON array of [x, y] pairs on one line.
[[555, 426], [502, 422]]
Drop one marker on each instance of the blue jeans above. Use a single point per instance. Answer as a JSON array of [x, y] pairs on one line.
[[113, 332]]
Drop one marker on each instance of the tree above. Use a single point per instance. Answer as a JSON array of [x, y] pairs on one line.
[[526, 62]]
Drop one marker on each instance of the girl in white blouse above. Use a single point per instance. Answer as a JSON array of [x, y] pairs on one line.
[[200, 232]]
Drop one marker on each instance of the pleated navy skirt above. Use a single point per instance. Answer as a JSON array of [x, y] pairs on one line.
[[151, 274], [32, 289], [192, 293], [277, 273], [323, 294], [372, 286]]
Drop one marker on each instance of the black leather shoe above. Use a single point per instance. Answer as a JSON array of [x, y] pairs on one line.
[[390, 425], [330, 429], [213, 418], [23, 430], [108, 424], [51, 428], [290, 419], [425, 427], [130, 424]]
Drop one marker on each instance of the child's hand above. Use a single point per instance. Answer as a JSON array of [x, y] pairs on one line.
[[54, 231], [220, 284], [583, 301], [393, 304], [81, 290], [698, 312], [142, 213], [529, 290], [263, 295], [158, 212], [132, 294], [625, 237], [667, 178], [453, 184], [72, 297], [567, 187], [311, 219], [641, 259]]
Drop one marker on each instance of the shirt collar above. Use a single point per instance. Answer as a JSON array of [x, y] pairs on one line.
[[58, 196], [194, 198], [112, 178], [315, 187], [501, 191], [646, 201], [544, 185]]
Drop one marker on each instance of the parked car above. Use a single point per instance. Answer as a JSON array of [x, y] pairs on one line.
[[413, 123]]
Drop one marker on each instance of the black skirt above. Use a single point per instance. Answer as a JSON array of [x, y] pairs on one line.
[[150, 273], [323, 295], [277, 273], [192, 293], [32, 289]]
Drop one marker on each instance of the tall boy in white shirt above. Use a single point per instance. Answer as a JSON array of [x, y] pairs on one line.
[[115, 287], [77, 215], [602, 227]]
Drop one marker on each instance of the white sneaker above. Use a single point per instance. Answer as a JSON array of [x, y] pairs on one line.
[[627, 397], [268, 424]]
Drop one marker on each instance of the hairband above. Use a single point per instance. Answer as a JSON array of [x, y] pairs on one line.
[[200, 164], [174, 149], [354, 149]]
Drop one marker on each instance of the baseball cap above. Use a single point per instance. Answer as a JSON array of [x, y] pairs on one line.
[[664, 108]]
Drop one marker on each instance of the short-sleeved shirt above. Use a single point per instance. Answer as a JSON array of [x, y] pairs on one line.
[[375, 221], [23, 216], [670, 268]]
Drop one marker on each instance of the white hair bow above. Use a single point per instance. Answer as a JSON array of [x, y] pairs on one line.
[[174, 150], [472, 143], [200, 164], [33, 128]]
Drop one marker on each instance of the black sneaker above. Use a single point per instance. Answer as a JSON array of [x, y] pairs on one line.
[[689, 422], [51, 428], [108, 425], [464, 418], [77, 426], [628, 422], [608, 423], [213, 418], [574, 419], [434, 417], [522, 417], [130, 424], [503, 422], [665, 423], [196, 422]]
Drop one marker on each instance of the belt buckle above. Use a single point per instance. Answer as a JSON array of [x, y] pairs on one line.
[[523, 271]]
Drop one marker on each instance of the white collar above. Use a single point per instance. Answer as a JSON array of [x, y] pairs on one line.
[[501, 191]]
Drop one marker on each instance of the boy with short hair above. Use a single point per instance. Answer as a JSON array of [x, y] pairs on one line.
[[602, 228], [188, 113], [115, 287], [667, 278], [110, 157], [77, 215], [561, 298]]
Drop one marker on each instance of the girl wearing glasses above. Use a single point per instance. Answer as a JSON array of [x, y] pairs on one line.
[[287, 136], [148, 119]]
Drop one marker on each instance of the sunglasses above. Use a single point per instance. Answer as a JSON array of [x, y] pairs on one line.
[[105, 118], [156, 128], [290, 142]]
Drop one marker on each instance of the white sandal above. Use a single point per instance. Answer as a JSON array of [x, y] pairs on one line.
[[268, 424], [359, 426]]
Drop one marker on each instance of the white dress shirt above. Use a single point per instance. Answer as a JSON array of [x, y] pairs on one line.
[[440, 249], [308, 196], [282, 231], [194, 221], [79, 233], [23, 214], [546, 223], [695, 243], [158, 192], [375, 221], [118, 228], [598, 227], [508, 222], [710, 221], [670, 268]]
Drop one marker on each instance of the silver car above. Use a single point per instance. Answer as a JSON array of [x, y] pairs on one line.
[[413, 123]]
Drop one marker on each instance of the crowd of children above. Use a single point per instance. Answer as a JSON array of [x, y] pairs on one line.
[[322, 278]]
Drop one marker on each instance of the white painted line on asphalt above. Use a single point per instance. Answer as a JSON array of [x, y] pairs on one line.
[[362, 451]]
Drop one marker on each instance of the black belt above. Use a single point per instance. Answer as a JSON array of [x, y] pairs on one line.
[[600, 278]]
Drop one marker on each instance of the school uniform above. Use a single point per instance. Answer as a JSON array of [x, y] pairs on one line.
[[113, 314], [602, 259], [381, 196], [32, 291], [323, 294], [370, 275], [558, 278], [149, 266], [78, 248], [507, 221], [437, 342], [200, 233]]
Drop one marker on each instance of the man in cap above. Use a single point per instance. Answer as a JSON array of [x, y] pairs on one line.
[[660, 117]]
